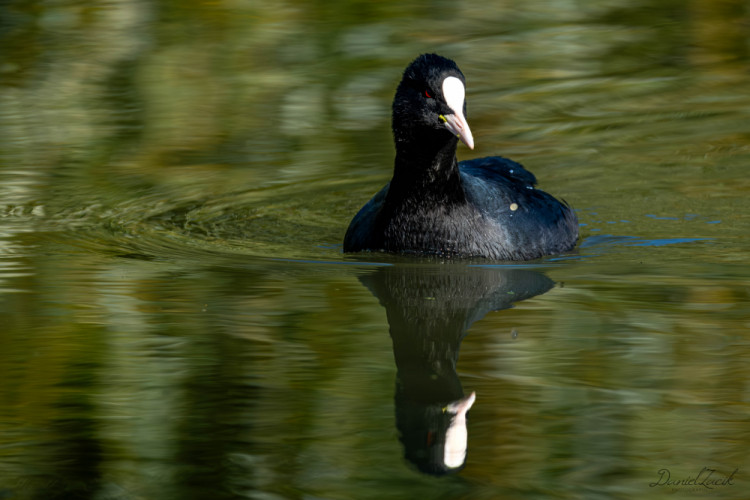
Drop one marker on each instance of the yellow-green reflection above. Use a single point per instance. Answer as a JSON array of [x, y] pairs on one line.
[[155, 157]]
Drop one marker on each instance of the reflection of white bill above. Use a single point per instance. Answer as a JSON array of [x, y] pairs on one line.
[[454, 454]]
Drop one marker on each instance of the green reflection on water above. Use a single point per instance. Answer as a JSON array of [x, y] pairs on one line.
[[155, 156]]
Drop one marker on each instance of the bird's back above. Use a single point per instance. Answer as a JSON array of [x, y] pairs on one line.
[[523, 222]]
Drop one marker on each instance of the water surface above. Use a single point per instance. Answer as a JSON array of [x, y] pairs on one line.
[[178, 319]]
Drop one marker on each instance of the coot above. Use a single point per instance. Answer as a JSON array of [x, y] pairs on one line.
[[486, 207]]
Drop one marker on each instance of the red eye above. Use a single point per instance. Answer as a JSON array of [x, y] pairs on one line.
[[427, 94]]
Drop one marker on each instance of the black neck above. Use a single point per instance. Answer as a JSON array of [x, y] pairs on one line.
[[426, 172]]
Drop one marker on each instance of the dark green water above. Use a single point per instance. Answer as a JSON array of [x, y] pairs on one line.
[[177, 319]]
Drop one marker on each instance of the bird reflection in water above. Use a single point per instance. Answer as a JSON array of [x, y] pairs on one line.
[[429, 309]]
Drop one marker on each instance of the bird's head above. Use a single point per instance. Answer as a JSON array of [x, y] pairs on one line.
[[430, 102]]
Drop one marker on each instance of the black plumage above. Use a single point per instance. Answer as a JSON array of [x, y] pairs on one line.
[[485, 207]]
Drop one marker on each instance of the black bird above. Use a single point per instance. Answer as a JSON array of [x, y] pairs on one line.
[[486, 207]]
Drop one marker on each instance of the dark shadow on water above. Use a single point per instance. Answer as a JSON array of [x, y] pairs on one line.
[[429, 310]]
